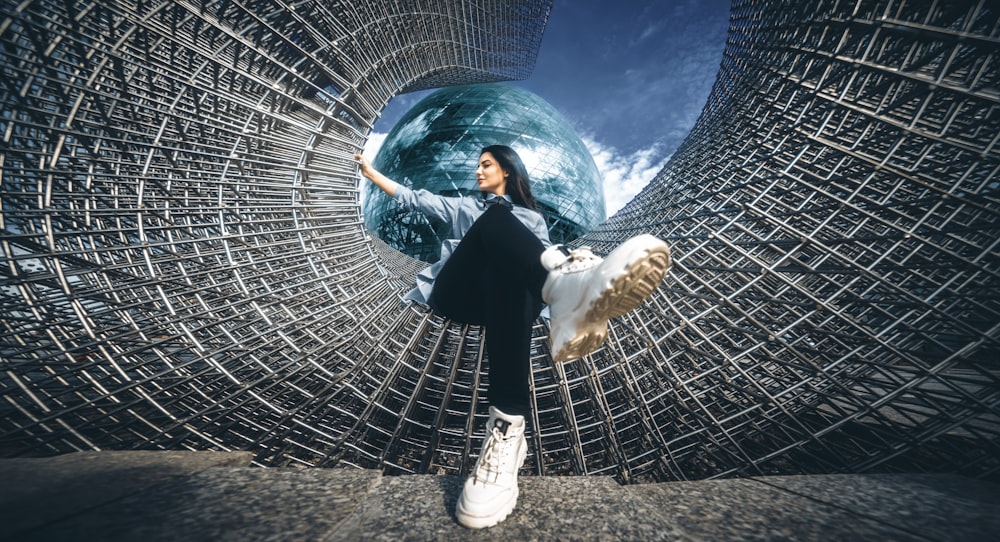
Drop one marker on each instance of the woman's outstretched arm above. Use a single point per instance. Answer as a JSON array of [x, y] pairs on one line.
[[435, 207], [385, 183]]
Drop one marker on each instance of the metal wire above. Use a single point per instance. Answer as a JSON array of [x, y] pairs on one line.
[[185, 264]]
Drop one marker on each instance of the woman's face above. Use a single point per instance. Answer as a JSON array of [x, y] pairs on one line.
[[490, 176]]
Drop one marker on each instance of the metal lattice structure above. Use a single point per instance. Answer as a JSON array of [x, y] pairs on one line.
[[185, 264]]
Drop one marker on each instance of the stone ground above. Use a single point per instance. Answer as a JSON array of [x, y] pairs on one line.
[[153, 496]]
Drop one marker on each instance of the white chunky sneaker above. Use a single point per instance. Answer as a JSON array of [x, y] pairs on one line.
[[584, 292], [490, 493]]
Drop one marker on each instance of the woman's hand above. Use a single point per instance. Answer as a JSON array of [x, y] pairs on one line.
[[386, 184], [367, 171]]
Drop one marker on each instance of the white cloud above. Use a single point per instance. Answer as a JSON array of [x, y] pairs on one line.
[[374, 143], [625, 174]]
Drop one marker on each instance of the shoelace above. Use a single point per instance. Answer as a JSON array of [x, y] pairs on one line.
[[580, 259], [495, 454]]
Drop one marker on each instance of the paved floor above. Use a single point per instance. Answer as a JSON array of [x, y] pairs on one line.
[[151, 496]]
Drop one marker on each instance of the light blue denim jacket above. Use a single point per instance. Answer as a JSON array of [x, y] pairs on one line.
[[460, 212]]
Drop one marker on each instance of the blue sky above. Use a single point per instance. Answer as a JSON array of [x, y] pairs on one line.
[[630, 76]]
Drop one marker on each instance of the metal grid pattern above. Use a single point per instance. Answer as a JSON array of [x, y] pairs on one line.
[[185, 264]]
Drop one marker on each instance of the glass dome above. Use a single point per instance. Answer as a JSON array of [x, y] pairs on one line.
[[436, 146]]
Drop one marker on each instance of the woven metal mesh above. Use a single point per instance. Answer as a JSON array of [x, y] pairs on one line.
[[186, 267]]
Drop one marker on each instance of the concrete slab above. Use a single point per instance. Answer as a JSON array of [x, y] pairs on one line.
[[222, 504], [740, 510], [36, 491], [167, 496], [549, 508], [939, 506]]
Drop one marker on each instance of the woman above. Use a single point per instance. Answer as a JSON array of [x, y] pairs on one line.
[[497, 272]]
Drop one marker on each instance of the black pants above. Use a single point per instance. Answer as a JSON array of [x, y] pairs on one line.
[[494, 278]]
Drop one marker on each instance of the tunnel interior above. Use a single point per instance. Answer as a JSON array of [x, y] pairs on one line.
[[186, 265]]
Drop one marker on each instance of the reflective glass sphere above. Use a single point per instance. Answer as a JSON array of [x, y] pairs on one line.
[[436, 146]]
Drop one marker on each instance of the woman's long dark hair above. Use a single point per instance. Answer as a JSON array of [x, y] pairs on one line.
[[518, 183]]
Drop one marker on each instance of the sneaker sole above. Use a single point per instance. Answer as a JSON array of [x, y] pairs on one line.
[[483, 522], [625, 294]]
